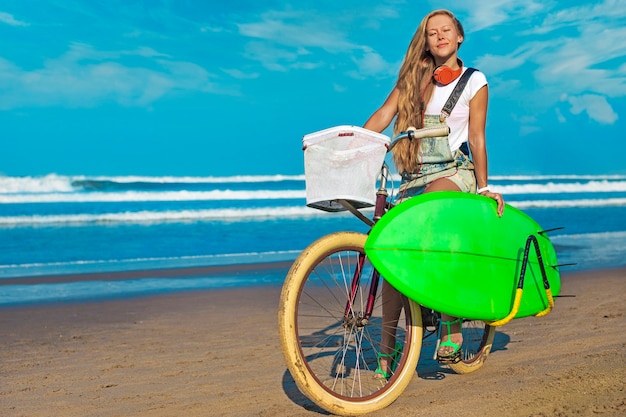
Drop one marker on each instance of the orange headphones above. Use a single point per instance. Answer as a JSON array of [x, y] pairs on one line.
[[445, 75]]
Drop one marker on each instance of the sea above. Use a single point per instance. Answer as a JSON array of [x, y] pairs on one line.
[[71, 238]]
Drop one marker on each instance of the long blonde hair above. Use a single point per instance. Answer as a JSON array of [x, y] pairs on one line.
[[415, 85]]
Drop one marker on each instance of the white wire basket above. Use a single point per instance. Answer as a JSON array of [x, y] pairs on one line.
[[343, 163]]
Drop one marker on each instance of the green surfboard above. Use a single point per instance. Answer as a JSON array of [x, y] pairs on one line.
[[451, 252]]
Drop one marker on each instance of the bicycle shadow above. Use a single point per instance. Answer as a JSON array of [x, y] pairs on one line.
[[427, 367], [293, 393]]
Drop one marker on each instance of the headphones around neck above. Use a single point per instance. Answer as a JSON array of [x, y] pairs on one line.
[[445, 75]]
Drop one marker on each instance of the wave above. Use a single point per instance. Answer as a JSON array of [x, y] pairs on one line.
[[237, 214], [605, 202], [556, 177], [231, 214], [62, 196], [52, 183], [598, 236], [202, 180], [604, 186], [85, 266], [47, 184], [138, 196], [204, 260]]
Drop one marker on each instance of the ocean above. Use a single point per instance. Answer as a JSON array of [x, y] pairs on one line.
[[91, 228]]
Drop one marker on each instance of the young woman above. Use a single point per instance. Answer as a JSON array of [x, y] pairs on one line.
[[430, 71]]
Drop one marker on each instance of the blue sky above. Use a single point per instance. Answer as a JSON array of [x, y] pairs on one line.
[[216, 88]]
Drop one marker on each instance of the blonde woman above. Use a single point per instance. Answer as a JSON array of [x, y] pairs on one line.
[[429, 73]]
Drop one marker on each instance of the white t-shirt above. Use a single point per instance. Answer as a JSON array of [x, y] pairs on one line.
[[458, 121]]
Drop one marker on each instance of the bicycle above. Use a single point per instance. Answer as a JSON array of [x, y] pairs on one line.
[[330, 318]]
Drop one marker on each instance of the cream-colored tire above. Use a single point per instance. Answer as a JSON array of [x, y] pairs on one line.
[[329, 346], [477, 342]]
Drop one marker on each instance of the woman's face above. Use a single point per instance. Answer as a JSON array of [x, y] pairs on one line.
[[442, 37]]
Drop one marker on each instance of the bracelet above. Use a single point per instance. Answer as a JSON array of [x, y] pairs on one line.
[[483, 189]]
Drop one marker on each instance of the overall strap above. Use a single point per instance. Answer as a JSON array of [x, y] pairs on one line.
[[456, 93]]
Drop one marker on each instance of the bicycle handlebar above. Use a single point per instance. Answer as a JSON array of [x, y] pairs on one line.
[[424, 132]]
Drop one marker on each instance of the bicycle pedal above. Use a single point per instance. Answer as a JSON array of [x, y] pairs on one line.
[[450, 359]]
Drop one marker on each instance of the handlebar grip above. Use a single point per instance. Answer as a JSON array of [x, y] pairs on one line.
[[427, 132]]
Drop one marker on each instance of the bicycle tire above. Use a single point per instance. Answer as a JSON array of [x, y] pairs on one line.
[[477, 341], [332, 360]]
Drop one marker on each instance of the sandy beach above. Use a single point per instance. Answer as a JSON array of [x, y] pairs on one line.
[[216, 353]]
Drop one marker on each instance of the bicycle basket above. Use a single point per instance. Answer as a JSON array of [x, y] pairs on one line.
[[342, 162]]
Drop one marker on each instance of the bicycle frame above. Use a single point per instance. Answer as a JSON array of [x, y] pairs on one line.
[[380, 208]]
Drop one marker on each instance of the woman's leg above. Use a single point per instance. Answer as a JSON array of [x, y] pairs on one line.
[[451, 335], [392, 303], [392, 307]]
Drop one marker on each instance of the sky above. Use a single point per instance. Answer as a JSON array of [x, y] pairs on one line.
[[222, 88]]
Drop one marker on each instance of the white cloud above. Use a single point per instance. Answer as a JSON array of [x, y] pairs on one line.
[[297, 29], [85, 77], [241, 75], [10, 20], [289, 39], [211, 29], [595, 106], [575, 50], [495, 64], [484, 14], [370, 63], [603, 12], [339, 88], [272, 57]]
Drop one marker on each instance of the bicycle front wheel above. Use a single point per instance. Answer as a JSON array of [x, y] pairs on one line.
[[329, 342]]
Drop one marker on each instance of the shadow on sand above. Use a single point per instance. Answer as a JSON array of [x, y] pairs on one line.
[[427, 368]]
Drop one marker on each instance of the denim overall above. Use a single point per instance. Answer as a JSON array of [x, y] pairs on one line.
[[437, 161]]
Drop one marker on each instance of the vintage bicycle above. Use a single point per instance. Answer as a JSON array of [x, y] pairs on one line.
[[330, 313]]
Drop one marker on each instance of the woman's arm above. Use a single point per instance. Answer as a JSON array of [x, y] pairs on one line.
[[382, 117], [477, 142]]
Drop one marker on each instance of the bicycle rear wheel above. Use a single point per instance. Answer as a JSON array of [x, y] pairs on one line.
[[477, 341], [329, 344]]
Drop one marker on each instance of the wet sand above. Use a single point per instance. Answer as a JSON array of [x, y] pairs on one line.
[[216, 353]]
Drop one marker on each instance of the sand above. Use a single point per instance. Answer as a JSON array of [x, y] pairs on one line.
[[216, 353]]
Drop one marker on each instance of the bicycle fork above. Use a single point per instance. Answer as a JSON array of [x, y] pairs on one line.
[[359, 319]]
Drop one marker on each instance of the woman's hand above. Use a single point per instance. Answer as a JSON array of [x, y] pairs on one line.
[[498, 198]]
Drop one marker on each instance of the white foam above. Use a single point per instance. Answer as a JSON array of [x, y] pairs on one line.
[[615, 235], [85, 266], [52, 183], [556, 177], [161, 216], [603, 186], [603, 202], [138, 196], [199, 180], [45, 184], [259, 213], [54, 189]]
